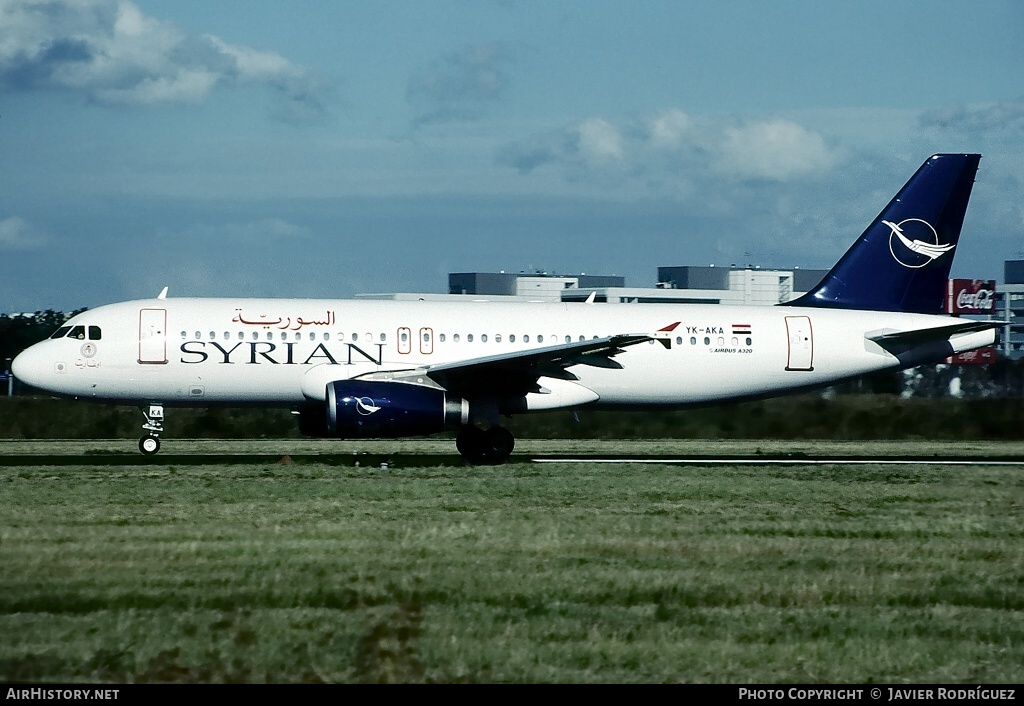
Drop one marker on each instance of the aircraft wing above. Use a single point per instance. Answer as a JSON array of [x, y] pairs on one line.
[[517, 373]]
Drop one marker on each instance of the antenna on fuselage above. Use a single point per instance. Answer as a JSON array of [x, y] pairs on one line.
[[162, 294]]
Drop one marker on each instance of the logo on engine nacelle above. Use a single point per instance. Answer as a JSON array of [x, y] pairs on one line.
[[365, 406]]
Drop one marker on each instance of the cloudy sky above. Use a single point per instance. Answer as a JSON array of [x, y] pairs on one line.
[[322, 148]]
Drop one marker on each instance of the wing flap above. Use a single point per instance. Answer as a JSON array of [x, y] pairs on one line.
[[516, 373]]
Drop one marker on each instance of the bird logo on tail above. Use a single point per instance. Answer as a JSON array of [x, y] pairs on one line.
[[914, 252]]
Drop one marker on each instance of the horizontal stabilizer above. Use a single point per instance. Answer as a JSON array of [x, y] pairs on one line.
[[933, 345], [938, 333]]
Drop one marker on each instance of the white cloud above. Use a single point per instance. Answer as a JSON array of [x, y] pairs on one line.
[[17, 234], [670, 128], [777, 150], [670, 149], [111, 52], [599, 141]]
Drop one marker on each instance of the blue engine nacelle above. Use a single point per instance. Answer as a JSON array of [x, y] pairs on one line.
[[361, 408]]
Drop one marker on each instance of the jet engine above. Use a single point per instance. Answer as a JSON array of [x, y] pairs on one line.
[[367, 408]]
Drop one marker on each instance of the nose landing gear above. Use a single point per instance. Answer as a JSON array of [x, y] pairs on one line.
[[150, 443]]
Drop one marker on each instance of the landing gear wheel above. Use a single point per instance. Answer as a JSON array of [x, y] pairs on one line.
[[491, 447], [470, 443], [149, 445], [498, 445]]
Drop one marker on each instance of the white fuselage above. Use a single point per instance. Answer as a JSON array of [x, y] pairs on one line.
[[283, 352]]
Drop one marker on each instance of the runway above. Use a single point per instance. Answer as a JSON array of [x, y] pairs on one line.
[[433, 460]]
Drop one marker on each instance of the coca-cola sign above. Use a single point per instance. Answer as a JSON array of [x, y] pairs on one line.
[[979, 356], [971, 296]]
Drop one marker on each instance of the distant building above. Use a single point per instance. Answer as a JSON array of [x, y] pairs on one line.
[[740, 285], [1009, 309], [540, 284], [676, 285]]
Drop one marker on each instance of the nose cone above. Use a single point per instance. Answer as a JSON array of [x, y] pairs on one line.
[[28, 367]]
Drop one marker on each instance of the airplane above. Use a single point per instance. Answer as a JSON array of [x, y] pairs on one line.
[[352, 369]]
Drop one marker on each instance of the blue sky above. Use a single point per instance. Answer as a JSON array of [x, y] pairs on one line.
[[322, 148]]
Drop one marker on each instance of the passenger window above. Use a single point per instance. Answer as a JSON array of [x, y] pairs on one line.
[[255, 335], [511, 338], [526, 338], [497, 338], [540, 339], [227, 335], [355, 336], [483, 338], [693, 340], [270, 335], [679, 340], [455, 338], [241, 335], [94, 333], [213, 335], [184, 335], [199, 334], [77, 332], [384, 337], [312, 336], [63, 331], [440, 336], [568, 339], [469, 338]]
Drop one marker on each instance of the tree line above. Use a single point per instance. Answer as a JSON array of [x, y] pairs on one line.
[[19, 332]]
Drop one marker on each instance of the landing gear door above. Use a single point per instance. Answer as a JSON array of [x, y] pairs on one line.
[[801, 343], [153, 336]]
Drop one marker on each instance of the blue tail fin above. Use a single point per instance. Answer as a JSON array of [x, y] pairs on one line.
[[901, 262]]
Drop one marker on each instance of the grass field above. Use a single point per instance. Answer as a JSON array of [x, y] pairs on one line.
[[518, 573]]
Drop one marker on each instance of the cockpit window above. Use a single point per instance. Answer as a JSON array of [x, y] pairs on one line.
[[94, 333], [61, 332], [77, 332]]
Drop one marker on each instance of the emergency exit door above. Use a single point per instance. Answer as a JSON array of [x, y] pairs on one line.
[[153, 336], [801, 343]]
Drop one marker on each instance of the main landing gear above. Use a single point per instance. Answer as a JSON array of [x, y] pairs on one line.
[[492, 446], [150, 443]]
